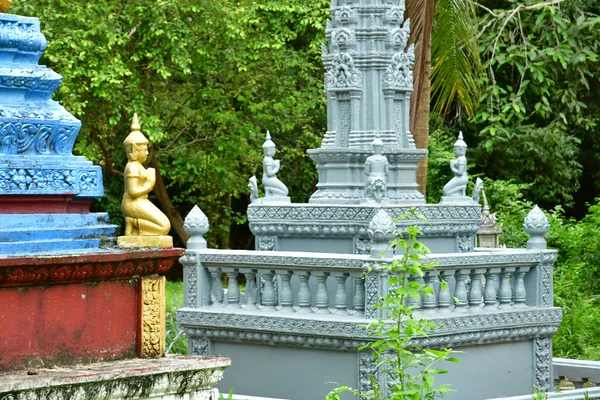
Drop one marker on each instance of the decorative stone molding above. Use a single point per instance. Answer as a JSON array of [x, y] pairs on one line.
[[37, 270], [341, 73], [542, 361], [266, 243], [86, 182], [153, 312], [465, 244], [199, 347], [347, 335], [217, 258], [399, 73]]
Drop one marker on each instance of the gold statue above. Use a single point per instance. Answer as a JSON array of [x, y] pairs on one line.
[[4, 5], [145, 224]]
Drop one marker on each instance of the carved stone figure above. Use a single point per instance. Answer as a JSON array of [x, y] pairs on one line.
[[456, 189], [377, 170], [145, 224], [273, 186], [253, 189]]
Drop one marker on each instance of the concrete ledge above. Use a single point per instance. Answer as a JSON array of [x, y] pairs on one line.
[[576, 370], [579, 394], [171, 377]]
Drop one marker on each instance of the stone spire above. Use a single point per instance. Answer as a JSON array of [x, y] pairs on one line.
[[36, 133], [368, 80]]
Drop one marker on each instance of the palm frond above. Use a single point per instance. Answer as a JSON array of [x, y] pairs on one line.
[[455, 58]]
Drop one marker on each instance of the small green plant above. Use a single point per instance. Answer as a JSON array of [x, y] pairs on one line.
[[176, 340], [410, 368], [539, 394]]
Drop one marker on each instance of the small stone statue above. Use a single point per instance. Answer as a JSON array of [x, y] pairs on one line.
[[456, 189], [145, 224], [253, 185], [273, 186], [377, 170]]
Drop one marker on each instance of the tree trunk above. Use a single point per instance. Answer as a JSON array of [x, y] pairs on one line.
[[167, 206], [421, 123]]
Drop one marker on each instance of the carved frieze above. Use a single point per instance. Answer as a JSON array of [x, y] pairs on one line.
[[85, 182], [347, 335], [542, 361], [342, 73], [153, 317], [399, 73], [118, 265]]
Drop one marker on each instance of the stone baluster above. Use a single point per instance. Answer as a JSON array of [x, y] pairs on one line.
[[476, 292], [358, 300], [233, 289], [460, 291], [286, 296], [505, 292], [491, 287], [444, 296], [416, 303], [251, 288], [520, 294], [322, 294], [304, 295], [341, 298], [217, 285], [268, 298], [429, 300]]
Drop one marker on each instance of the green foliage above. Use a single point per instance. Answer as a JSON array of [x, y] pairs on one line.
[[538, 113], [176, 339], [410, 368], [576, 286], [455, 57]]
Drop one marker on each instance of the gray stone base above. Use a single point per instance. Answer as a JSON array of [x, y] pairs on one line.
[[169, 378]]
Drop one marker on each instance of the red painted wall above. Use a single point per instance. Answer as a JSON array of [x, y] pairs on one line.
[[66, 323]]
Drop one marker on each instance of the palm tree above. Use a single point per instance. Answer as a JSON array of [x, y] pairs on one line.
[[445, 31]]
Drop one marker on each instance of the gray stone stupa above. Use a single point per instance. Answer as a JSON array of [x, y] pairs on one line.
[[368, 159]]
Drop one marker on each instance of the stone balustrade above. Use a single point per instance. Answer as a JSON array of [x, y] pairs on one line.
[[323, 283]]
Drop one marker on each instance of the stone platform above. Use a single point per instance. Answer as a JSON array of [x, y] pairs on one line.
[[169, 378]]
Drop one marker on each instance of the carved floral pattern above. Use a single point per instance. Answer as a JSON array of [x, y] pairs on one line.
[[153, 317], [75, 269], [37, 138], [542, 353], [342, 73], [344, 335], [399, 74]]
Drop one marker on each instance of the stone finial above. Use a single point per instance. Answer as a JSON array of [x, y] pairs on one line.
[[536, 225], [196, 225], [381, 231], [4, 5]]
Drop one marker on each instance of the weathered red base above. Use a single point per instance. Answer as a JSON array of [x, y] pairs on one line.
[[61, 310], [44, 205]]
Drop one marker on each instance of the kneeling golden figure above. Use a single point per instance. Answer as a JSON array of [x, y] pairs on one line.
[[145, 224]]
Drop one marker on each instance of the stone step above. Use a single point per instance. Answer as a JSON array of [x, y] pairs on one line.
[[47, 246], [28, 221], [51, 233]]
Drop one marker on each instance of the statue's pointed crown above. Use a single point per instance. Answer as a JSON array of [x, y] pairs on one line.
[[268, 142], [460, 142], [136, 136]]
